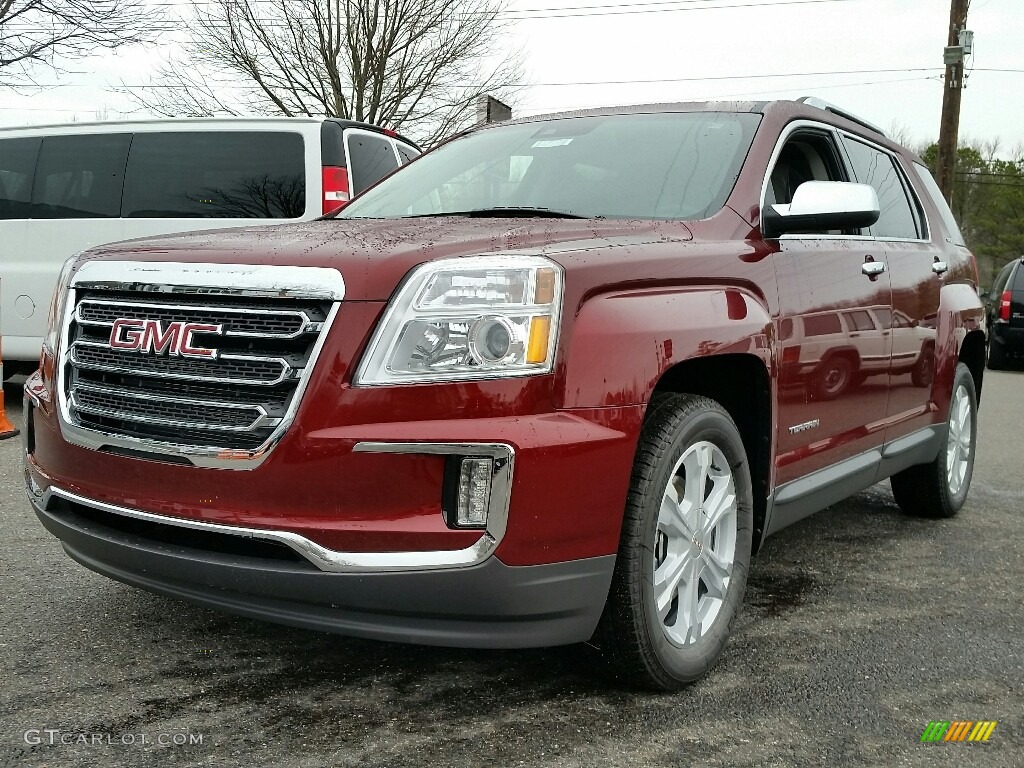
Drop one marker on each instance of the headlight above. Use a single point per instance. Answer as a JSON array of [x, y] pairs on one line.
[[56, 315], [470, 318]]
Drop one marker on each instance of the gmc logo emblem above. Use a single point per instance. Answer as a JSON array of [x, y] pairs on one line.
[[150, 337]]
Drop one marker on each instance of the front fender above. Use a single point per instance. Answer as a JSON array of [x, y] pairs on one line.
[[621, 343]]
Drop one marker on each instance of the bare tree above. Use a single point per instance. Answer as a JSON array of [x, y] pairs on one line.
[[411, 65], [34, 32]]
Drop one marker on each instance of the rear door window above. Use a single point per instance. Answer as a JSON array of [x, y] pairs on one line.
[[17, 166], [370, 158], [859, 320], [80, 176], [898, 218], [216, 174]]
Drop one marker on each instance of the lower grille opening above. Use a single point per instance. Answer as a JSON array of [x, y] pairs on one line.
[[208, 541]]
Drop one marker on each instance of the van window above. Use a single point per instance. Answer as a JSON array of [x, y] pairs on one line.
[[215, 174], [822, 325], [17, 165], [80, 176], [370, 159]]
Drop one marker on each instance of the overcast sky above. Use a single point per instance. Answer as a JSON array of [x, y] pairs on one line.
[[583, 53]]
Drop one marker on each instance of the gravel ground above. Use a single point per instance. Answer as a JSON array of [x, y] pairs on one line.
[[861, 625]]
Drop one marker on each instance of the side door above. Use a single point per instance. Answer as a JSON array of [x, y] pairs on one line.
[[18, 265], [76, 204], [830, 413], [917, 267]]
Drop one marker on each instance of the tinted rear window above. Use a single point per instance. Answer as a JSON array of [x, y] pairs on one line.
[[1018, 280], [17, 165], [370, 159], [222, 174], [80, 176]]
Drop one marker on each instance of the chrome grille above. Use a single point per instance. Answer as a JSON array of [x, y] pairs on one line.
[[235, 401], [92, 354], [250, 321]]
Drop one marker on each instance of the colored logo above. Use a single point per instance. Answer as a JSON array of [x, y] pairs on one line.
[[958, 730], [151, 337]]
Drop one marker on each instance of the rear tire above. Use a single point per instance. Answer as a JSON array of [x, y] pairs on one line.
[[685, 548], [939, 489], [996, 355]]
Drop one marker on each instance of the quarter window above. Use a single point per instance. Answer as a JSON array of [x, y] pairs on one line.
[[897, 219], [407, 153], [933, 191], [80, 176]]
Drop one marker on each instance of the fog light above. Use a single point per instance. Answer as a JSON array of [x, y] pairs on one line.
[[474, 491]]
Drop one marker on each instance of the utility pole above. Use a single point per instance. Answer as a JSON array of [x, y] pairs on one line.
[[949, 127]]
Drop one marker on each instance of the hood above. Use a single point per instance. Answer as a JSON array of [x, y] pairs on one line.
[[374, 255]]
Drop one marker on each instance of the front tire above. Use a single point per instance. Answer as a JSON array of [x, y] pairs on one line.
[[684, 553], [923, 373], [939, 489]]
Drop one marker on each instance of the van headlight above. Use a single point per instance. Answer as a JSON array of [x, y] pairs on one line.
[[469, 318]]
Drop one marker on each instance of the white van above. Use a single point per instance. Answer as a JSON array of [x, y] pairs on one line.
[[64, 188]]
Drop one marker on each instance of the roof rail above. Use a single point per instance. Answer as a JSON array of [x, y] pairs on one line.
[[814, 101]]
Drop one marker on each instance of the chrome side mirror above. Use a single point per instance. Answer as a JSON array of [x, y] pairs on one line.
[[820, 206]]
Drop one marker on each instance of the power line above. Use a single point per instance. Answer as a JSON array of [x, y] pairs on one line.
[[753, 76], [626, 9]]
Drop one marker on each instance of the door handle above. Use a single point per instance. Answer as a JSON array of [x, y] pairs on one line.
[[940, 267], [873, 268]]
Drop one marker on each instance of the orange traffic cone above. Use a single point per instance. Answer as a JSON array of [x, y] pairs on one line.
[[6, 428]]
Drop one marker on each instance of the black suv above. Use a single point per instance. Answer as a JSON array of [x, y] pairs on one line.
[[1005, 307]]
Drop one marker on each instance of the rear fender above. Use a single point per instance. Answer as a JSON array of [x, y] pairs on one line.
[[961, 312]]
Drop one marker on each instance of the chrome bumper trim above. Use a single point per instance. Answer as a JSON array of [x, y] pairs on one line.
[[332, 561]]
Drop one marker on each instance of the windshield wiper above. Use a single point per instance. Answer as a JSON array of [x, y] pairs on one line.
[[502, 211]]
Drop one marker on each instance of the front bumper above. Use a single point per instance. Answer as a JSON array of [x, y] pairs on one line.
[[490, 605]]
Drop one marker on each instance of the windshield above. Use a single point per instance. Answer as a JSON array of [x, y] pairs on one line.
[[646, 166]]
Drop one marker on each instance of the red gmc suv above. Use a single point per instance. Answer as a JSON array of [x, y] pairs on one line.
[[546, 384]]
